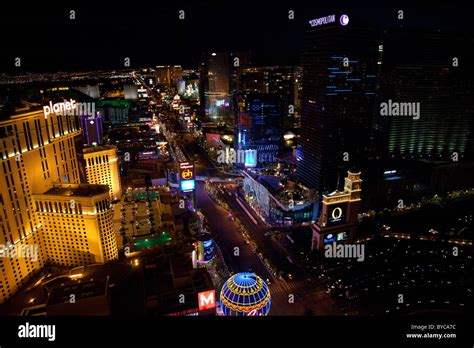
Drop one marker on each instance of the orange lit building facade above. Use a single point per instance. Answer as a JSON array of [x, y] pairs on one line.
[[38, 152], [102, 168]]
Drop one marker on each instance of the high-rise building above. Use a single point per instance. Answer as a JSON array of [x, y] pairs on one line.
[[36, 151], [260, 125], [92, 128], [101, 163], [432, 71], [77, 224], [339, 63], [279, 80], [168, 75], [216, 80]]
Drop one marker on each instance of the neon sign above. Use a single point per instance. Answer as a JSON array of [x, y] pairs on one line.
[[323, 20], [207, 299], [59, 107], [186, 174], [343, 20], [186, 170], [337, 214]]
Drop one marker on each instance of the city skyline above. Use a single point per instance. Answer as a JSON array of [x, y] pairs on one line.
[[201, 159]]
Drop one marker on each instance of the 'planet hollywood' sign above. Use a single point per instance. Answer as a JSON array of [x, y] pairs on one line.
[[71, 108], [59, 107], [343, 20]]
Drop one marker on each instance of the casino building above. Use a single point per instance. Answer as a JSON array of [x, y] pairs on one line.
[[338, 219], [77, 224], [245, 294], [102, 168], [37, 156], [339, 62]]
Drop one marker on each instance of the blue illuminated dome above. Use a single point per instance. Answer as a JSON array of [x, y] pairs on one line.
[[245, 294]]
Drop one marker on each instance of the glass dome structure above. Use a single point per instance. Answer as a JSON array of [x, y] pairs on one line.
[[245, 294]]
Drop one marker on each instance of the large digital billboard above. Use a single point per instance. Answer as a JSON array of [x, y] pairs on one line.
[[250, 158], [186, 176], [187, 185]]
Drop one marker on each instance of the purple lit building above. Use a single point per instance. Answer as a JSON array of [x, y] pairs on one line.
[[91, 128]]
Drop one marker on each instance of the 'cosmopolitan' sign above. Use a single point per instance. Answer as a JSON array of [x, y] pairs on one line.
[[323, 20], [343, 20]]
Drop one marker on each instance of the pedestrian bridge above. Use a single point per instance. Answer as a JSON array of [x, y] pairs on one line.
[[219, 179]]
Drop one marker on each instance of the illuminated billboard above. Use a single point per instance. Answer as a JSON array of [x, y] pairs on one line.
[[187, 185], [336, 214], [191, 89], [180, 86], [186, 176], [250, 158], [208, 246], [186, 171], [341, 236], [329, 238], [335, 237], [207, 300]]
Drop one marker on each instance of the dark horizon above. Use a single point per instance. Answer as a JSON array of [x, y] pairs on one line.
[[102, 35]]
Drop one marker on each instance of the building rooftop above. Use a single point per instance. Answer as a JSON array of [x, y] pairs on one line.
[[77, 190], [279, 189], [28, 110], [99, 148]]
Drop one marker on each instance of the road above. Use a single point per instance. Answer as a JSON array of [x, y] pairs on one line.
[[290, 295]]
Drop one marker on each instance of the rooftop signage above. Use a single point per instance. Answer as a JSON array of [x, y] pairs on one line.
[[59, 107], [323, 20], [343, 20]]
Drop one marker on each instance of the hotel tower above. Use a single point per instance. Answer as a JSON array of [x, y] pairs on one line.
[[43, 209]]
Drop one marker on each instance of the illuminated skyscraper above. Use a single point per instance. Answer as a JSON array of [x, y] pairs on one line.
[[77, 224], [432, 69], [274, 80], [216, 80], [36, 151], [339, 65], [102, 168], [260, 125]]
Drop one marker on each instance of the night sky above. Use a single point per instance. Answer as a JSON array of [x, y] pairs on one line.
[[150, 33]]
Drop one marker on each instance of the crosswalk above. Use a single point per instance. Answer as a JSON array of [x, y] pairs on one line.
[[284, 288]]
